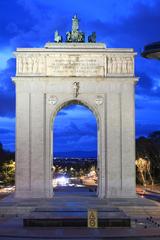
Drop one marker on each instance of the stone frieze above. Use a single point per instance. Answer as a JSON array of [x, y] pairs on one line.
[[68, 65]]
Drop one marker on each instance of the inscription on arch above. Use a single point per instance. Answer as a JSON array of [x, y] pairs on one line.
[[74, 64]]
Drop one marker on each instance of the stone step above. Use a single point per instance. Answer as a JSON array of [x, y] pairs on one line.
[[75, 219], [53, 209], [146, 211]]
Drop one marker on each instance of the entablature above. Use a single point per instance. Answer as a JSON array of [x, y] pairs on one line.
[[75, 60]]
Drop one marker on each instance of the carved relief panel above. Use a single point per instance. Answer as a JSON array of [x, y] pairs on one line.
[[31, 64], [120, 65]]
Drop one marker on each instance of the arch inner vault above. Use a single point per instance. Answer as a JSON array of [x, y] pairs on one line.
[[89, 73]]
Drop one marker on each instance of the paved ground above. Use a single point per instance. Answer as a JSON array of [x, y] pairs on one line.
[[3, 195], [145, 216], [13, 229]]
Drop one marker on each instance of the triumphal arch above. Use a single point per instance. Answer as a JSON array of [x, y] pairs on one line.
[[82, 72]]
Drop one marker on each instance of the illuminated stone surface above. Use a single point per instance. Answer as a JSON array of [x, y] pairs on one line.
[[100, 78]]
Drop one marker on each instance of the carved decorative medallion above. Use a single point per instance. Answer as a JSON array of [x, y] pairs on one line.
[[99, 100], [52, 100]]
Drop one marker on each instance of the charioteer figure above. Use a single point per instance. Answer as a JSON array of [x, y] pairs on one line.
[[75, 35]]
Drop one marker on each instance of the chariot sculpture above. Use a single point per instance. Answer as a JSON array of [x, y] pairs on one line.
[[75, 35]]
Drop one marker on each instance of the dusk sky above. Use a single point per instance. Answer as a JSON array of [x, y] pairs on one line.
[[118, 23]]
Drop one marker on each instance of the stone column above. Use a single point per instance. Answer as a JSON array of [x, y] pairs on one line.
[[120, 143], [113, 145], [37, 144], [31, 145], [128, 140], [22, 144]]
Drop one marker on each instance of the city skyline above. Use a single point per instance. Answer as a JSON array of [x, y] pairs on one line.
[[131, 25]]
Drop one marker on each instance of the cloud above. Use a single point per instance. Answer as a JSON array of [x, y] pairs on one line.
[[145, 129], [148, 87], [7, 104], [145, 85], [35, 21], [5, 131], [33, 24], [7, 90], [135, 29], [6, 74], [75, 131], [14, 20], [61, 113]]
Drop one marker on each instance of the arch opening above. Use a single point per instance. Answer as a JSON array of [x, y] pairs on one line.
[[75, 149]]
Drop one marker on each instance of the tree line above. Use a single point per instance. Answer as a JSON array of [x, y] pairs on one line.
[[146, 147], [7, 167], [149, 148]]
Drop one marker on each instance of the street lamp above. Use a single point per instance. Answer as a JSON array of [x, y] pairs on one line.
[[152, 51]]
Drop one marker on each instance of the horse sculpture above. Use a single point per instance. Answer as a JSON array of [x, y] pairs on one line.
[[92, 37], [57, 37]]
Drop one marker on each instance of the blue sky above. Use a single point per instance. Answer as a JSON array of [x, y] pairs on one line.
[[118, 23]]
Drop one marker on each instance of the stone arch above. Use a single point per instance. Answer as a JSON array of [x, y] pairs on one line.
[[106, 88], [94, 112], [75, 101]]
